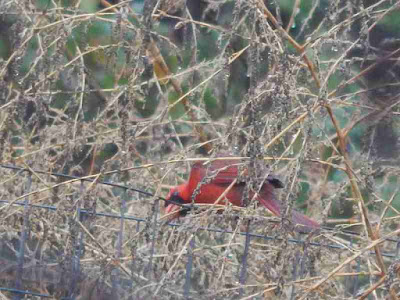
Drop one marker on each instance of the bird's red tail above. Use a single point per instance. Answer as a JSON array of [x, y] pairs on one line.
[[302, 222]]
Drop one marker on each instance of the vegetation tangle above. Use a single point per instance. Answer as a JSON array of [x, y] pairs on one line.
[[107, 107]]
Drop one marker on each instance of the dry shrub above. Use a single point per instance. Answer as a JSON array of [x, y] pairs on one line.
[[131, 96]]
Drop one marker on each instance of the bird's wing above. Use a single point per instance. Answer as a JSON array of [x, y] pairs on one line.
[[224, 172], [221, 172]]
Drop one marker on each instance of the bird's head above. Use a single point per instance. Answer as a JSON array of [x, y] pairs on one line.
[[172, 202]]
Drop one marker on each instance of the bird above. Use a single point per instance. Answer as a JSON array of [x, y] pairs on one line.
[[209, 181]]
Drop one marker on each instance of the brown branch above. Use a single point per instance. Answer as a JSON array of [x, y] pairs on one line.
[[159, 63], [294, 10], [299, 48], [162, 71], [363, 72], [341, 137], [372, 288], [356, 189], [349, 260]]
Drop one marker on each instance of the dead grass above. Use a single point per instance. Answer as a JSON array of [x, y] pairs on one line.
[[106, 94]]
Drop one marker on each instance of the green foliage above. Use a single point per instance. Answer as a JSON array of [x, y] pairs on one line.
[[177, 111], [212, 104]]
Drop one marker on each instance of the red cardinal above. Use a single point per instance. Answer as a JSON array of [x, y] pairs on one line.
[[222, 173]]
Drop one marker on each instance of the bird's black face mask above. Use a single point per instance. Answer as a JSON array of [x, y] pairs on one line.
[[176, 199]]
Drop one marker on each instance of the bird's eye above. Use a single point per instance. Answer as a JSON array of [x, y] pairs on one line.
[[176, 198]]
